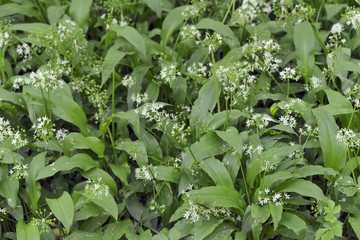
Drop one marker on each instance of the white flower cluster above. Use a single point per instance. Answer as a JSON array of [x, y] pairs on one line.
[[168, 74], [128, 81], [197, 70], [44, 79], [263, 52], [194, 10], [289, 74], [250, 9], [308, 130], [96, 189], [288, 120], [19, 171], [352, 17], [4, 36], [148, 173], [337, 28], [189, 32], [61, 134], [348, 138], [353, 95], [24, 51], [43, 129], [250, 149], [268, 162], [277, 198], [259, 120], [139, 98], [295, 105], [11, 135]]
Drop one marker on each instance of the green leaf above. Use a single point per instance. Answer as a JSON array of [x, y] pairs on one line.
[[116, 230], [302, 187], [27, 231], [304, 41], [132, 36], [121, 171], [314, 170], [272, 178], [9, 190], [333, 151], [13, 97], [218, 119], [31, 27], [218, 173], [338, 104], [181, 229], [333, 9], [223, 231], [105, 202], [224, 30], [13, 8], [158, 5], [206, 227], [165, 173], [97, 173], [81, 161], [33, 188], [79, 11], [112, 58], [276, 213], [79, 141], [134, 148], [233, 139], [260, 213], [293, 222], [355, 224], [171, 23], [219, 196], [55, 13], [68, 110], [80, 235], [203, 105], [63, 209]]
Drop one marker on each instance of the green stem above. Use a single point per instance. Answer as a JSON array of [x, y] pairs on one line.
[[216, 82], [243, 176], [113, 144]]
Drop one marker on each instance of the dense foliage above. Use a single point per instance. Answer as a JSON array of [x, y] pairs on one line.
[[170, 119]]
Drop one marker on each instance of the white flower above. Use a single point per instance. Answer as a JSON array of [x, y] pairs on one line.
[[337, 28]]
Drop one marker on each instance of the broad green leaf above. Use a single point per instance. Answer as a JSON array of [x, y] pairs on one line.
[[27, 231], [233, 139], [272, 178], [116, 230], [293, 222], [219, 196], [218, 173], [338, 104], [314, 170], [79, 11], [206, 227], [13, 97], [136, 149], [13, 8], [224, 30], [158, 5], [355, 224], [203, 105], [63, 209], [105, 202], [260, 213], [170, 174], [33, 188], [112, 58], [138, 211], [181, 229], [90, 209], [333, 9], [208, 146], [121, 171], [68, 110], [132, 36], [304, 41], [81, 161], [240, 236], [31, 27], [232, 164], [171, 23], [223, 231], [132, 118], [276, 213], [302, 187], [9, 190], [333, 151], [55, 13], [218, 119], [97, 173], [79, 141], [80, 235]]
